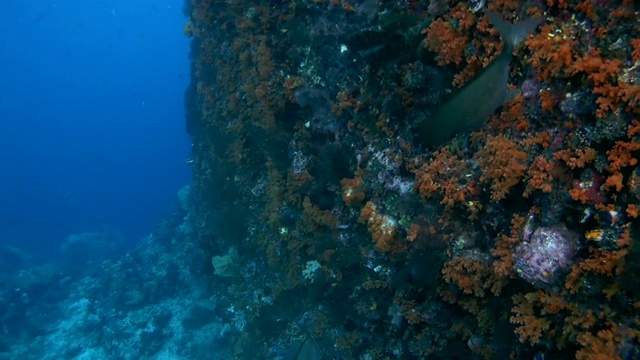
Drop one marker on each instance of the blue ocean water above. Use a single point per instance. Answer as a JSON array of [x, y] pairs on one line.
[[91, 118], [94, 185]]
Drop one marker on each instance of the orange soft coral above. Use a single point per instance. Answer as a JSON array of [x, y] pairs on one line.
[[622, 155], [468, 275], [443, 178], [600, 262], [539, 176], [446, 42], [381, 227], [503, 165], [529, 325], [635, 55], [452, 36], [576, 158], [602, 74], [552, 51], [352, 191]]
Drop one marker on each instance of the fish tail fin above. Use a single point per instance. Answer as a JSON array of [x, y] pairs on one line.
[[513, 34]]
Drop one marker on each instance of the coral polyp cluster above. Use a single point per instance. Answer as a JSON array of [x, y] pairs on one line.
[[543, 256]]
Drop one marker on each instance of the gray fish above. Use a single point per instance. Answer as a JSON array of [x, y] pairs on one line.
[[308, 350], [468, 108]]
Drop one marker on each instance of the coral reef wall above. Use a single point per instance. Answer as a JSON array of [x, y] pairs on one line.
[[330, 220]]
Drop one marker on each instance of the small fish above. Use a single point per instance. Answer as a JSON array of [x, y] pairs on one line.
[[468, 108]]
